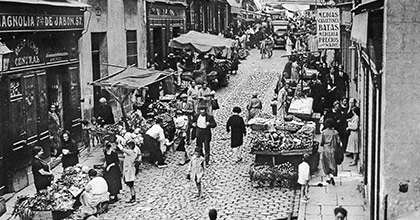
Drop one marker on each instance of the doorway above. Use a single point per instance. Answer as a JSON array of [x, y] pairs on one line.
[[158, 42], [99, 56]]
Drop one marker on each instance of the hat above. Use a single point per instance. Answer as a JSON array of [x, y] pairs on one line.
[[202, 107], [102, 100], [183, 95], [237, 109]]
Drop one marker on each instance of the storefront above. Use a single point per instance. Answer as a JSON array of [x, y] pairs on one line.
[[164, 22], [42, 69], [209, 16]]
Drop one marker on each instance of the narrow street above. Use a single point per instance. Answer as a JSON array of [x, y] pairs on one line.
[[167, 194]]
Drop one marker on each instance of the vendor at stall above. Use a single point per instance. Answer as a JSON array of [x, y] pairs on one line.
[[254, 107], [104, 114], [154, 140], [95, 193]]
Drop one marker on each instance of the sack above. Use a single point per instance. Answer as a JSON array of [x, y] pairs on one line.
[[339, 155], [215, 104]]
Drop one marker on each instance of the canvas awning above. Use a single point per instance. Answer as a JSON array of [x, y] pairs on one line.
[[295, 7], [359, 28], [61, 3], [132, 78], [201, 42]]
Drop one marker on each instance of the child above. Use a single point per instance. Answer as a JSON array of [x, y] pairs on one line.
[[181, 125], [303, 176], [196, 170], [86, 134]]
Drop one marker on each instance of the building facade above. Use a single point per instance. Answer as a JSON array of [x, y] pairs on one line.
[[115, 37], [387, 62], [43, 69], [210, 16], [165, 20]]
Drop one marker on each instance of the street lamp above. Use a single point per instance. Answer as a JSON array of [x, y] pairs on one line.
[[4, 57]]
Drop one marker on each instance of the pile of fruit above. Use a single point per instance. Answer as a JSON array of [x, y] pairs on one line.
[[288, 126], [283, 141], [282, 175]]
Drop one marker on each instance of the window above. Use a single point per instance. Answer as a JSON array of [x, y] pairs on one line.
[[132, 48]]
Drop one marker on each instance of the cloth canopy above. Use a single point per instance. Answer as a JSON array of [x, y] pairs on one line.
[[132, 78], [295, 7], [201, 43], [360, 28]]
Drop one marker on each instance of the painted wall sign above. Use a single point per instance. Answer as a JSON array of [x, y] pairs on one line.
[[36, 22], [328, 28]]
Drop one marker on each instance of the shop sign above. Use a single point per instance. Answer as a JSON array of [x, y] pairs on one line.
[[36, 22], [328, 28], [26, 53]]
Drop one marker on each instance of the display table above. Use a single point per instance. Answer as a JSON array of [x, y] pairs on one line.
[[301, 107]]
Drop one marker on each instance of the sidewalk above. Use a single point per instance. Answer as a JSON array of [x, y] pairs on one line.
[[347, 192], [95, 157]]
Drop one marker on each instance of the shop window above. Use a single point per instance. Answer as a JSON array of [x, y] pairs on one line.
[[132, 48]]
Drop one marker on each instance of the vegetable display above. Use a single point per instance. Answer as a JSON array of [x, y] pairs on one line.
[[58, 197], [282, 175]]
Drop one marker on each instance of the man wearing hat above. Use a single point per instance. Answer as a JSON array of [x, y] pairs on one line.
[[202, 124], [104, 113], [187, 108]]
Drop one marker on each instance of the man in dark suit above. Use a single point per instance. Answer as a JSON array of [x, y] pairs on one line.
[[202, 124], [342, 82]]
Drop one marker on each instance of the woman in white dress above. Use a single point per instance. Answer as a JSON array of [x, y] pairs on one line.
[[353, 142]]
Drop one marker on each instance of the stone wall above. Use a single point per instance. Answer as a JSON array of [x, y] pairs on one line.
[[401, 104]]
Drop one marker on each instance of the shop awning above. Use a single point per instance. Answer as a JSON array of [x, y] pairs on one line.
[[359, 28], [132, 78], [61, 3], [295, 7], [201, 42]]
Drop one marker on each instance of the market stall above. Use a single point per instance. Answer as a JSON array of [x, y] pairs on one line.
[[278, 147], [58, 201]]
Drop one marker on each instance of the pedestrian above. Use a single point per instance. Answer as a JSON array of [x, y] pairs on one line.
[[353, 142], [69, 151], [105, 115], [204, 97], [342, 82], [86, 135], [154, 139], [213, 214], [187, 107], [203, 123], [340, 213], [254, 106], [304, 176], [181, 125], [282, 101], [129, 171], [112, 172], [196, 169], [236, 126], [192, 94], [330, 141], [54, 129], [40, 170]]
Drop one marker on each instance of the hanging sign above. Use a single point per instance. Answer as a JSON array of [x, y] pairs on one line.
[[328, 28], [36, 22]]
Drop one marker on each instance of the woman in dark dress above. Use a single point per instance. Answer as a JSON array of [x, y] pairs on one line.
[[69, 151], [40, 170], [236, 124], [112, 172]]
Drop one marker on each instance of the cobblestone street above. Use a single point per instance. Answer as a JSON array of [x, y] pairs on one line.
[[167, 194]]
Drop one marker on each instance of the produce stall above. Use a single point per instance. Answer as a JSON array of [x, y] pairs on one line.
[[58, 201], [278, 147]]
